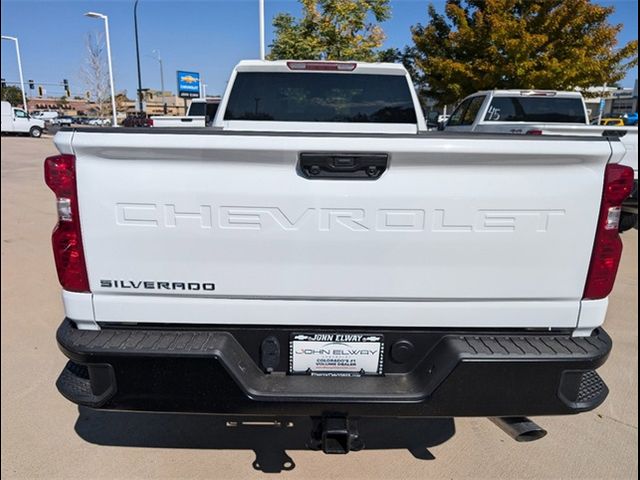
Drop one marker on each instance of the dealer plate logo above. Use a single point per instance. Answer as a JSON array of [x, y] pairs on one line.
[[336, 354]]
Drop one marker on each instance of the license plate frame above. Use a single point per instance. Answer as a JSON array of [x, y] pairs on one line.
[[336, 354]]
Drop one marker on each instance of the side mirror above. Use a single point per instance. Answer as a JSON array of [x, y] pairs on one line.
[[441, 126]]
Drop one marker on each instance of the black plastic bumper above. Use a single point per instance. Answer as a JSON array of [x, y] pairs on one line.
[[455, 374]]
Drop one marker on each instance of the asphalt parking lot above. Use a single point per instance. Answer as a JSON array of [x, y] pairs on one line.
[[45, 436]]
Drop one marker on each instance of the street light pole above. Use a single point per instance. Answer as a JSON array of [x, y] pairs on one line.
[[602, 102], [113, 92], [24, 96], [135, 24], [261, 14], [164, 103]]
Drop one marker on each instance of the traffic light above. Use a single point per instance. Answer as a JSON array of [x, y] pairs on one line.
[[67, 91], [32, 85], [40, 90]]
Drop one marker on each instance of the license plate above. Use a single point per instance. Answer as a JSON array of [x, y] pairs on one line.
[[336, 354]]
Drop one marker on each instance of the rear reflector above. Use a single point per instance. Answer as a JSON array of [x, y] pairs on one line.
[[326, 66], [534, 132], [607, 248], [60, 176]]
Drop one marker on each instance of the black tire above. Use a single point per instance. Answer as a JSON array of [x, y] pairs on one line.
[[628, 221], [35, 132]]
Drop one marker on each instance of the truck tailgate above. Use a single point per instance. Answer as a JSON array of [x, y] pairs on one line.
[[223, 228]]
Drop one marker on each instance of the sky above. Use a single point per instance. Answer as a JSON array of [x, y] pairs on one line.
[[206, 36]]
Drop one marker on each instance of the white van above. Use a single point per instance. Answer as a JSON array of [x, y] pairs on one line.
[[46, 115], [16, 120]]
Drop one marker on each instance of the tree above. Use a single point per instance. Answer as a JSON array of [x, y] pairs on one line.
[[407, 57], [95, 73], [550, 44], [331, 30], [12, 94]]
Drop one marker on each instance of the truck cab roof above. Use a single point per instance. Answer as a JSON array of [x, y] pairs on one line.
[[529, 93], [320, 66]]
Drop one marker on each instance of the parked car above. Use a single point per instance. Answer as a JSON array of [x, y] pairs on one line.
[[137, 119], [100, 122], [201, 113], [326, 256], [519, 112], [612, 122], [62, 121], [631, 119], [16, 120]]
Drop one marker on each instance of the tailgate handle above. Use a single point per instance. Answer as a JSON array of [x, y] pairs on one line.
[[342, 166]]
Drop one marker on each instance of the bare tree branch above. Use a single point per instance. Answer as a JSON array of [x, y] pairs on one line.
[[94, 73]]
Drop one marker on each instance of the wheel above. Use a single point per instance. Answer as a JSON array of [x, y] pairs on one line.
[[628, 221], [35, 132]]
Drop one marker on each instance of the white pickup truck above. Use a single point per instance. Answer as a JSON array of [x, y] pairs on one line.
[[200, 114], [544, 112], [318, 253]]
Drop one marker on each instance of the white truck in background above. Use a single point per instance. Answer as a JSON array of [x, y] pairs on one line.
[[544, 112], [199, 114], [16, 120], [318, 253], [46, 115]]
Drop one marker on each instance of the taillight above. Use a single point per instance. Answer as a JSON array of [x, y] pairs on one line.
[[538, 93], [60, 176], [322, 66], [607, 248]]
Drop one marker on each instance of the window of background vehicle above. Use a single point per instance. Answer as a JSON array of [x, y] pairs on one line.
[[536, 109], [472, 110], [196, 109], [212, 108], [320, 97], [458, 113]]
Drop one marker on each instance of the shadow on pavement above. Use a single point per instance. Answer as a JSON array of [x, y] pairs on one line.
[[269, 441]]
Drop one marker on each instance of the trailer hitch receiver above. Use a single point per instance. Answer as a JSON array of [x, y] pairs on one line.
[[335, 435]]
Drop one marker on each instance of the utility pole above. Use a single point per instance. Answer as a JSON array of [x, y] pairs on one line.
[[135, 24], [159, 59]]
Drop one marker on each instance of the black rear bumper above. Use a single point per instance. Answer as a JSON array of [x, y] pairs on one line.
[[215, 371]]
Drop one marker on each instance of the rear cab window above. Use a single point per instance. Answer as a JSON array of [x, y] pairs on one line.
[[321, 97], [536, 109], [202, 109]]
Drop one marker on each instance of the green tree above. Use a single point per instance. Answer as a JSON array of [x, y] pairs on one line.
[[331, 30], [550, 44], [407, 57], [12, 94]]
